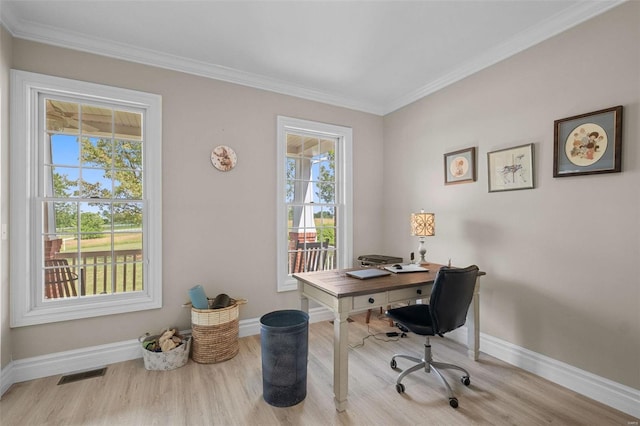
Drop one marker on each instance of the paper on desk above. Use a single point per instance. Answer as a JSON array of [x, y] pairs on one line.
[[406, 268]]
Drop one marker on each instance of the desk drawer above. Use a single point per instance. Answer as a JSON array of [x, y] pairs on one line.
[[369, 301], [413, 293]]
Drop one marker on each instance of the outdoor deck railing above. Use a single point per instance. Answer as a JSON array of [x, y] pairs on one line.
[[95, 269], [315, 259]]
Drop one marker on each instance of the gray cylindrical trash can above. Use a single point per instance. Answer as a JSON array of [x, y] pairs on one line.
[[284, 340]]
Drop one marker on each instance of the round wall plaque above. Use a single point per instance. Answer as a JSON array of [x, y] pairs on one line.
[[223, 158]]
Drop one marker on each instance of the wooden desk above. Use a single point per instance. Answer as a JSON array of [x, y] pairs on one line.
[[343, 295]]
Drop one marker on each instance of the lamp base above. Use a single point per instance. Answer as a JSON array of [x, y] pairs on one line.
[[423, 251]]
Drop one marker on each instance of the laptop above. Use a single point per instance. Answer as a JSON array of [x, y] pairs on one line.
[[363, 274]]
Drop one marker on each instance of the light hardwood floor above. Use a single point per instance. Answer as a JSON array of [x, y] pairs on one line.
[[230, 393]]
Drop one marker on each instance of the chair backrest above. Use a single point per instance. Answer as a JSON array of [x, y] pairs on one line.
[[451, 296], [310, 256], [59, 280]]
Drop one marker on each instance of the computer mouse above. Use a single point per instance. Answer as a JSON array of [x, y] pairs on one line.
[[397, 266]]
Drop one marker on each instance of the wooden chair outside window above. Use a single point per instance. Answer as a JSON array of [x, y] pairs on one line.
[[59, 280], [312, 256]]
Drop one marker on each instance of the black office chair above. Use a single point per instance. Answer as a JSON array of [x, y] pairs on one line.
[[447, 310]]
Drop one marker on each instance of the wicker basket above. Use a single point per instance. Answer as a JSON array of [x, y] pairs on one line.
[[215, 333]]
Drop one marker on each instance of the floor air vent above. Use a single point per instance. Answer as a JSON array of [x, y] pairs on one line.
[[82, 376]]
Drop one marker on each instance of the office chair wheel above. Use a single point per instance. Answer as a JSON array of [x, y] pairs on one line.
[[400, 389], [453, 402], [465, 380], [393, 364]]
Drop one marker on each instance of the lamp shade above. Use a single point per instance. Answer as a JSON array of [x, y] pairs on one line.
[[423, 224]]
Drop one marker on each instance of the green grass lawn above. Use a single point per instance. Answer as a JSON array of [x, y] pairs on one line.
[[121, 242], [99, 271]]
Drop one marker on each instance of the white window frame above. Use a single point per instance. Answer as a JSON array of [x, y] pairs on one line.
[[25, 241], [344, 194]]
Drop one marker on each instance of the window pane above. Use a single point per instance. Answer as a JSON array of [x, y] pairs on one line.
[[97, 273], [95, 184], [290, 215], [291, 175], [326, 167], [128, 243], [65, 150], [59, 217], [61, 182], [326, 234], [310, 186], [128, 155], [103, 263], [97, 121], [294, 145], [127, 216], [62, 116], [104, 211], [324, 193], [311, 147], [69, 247], [128, 125], [97, 152], [60, 279], [51, 245], [128, 185], [128, 265], [328, 146], [301, 217], [289, 192], [90, 244], [302, 191], [128, 277], [92, 223], [66, 216]]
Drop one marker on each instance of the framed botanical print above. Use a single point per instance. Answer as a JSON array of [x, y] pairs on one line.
[[588, 144], [511, 168], [460, 166]]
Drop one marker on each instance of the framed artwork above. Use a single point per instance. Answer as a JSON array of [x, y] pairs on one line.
[[588, 144], [511, 168], [460, 166]]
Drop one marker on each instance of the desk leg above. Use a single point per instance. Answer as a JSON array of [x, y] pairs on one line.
[[340, 359], [473, 324], [304, 303]]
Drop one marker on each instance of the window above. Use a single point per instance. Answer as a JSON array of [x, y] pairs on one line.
[[85, 200], [314, 193]]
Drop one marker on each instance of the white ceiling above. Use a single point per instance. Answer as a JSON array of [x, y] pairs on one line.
[[373, 56]]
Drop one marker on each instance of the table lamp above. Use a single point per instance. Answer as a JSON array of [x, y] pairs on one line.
[[423, 225]]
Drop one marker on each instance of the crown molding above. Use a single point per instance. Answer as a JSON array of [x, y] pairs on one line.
[[54, 36], [51, 35]]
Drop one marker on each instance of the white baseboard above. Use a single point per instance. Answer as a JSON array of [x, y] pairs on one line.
[[73, 361], [605, 391], [250, 327], [615, 395], [99, 356], [7, 378]]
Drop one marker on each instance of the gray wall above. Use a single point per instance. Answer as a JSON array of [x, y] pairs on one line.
[[206, 239], [561, 258]]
